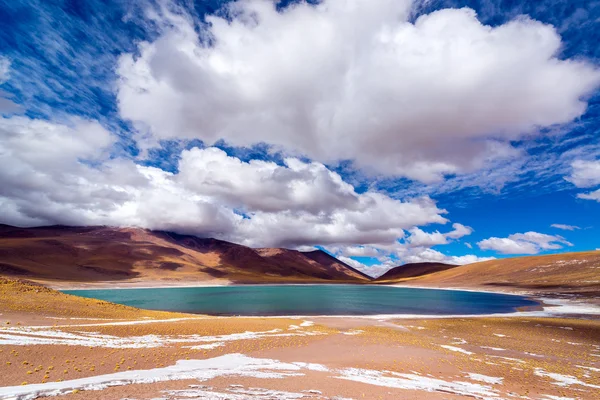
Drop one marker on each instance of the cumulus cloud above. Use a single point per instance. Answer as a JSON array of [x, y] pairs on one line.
[[415, 248], [565, 227], [420, 238], [357, 264], [373, 271], [265, 186], [585, 174], [524, 243], [357, 251], [459, 231], [62, 173], [418, 99], [431, 255], [409, 255]]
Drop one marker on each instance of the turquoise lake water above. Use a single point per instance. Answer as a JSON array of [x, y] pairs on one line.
[[311, 300]]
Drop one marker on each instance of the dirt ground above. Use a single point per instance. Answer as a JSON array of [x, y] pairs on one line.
[[84, 349]]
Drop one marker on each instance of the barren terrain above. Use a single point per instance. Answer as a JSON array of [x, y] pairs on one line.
[[82, 348]]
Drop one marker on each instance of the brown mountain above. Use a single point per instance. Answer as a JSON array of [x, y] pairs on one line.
[[407, 271], [56, 254], [577, 273]]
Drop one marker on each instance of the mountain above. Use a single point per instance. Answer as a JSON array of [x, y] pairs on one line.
[[57, 254], [407, 271], [577, 273]]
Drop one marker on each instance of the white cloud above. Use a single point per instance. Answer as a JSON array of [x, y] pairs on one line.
[[585, 174], [419, 100], [61, 173], [565, 227], [357, 251], [420, 238], [524, 243], [46, 177], [373, 271], [353, 263], [431, 255], [459, 231], [595, 195], [4, 69], [390, 256], [265, 186]]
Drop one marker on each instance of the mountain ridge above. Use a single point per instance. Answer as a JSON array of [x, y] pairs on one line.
[[62, 256], [412, 270], [101, 253]]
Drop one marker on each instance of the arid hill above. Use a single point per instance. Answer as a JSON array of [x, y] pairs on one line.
[[59, 254], [22, 297], [557, 273], [414, 270]]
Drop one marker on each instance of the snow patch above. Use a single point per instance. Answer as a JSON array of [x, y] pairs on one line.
[[238, 392], [417, 382], [456, 349], [493, 348], [202, 370], [485, 378], [353, 332], [589, 368], [563, 380], [32, 336]]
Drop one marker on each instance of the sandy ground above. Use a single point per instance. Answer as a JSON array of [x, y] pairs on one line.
[[85, 349], [512, 357]]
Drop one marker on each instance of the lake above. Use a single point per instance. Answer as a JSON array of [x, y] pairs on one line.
[[271, 300]]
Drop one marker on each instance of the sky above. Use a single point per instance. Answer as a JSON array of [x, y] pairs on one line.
[[382, 131]]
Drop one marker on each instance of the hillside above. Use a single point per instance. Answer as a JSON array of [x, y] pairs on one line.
[[558, 273], [58, 254], [21, 297], [407, 271]]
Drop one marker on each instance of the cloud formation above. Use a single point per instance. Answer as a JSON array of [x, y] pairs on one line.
[[524, 243], [405, 255], [354, 80], [565, 227], [420, 238], [62, 173], [414, 248], [586, 174]]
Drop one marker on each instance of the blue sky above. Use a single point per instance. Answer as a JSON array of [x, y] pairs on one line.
[[356, 130]]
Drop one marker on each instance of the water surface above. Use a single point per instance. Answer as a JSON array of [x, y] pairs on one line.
[[272, 300]]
